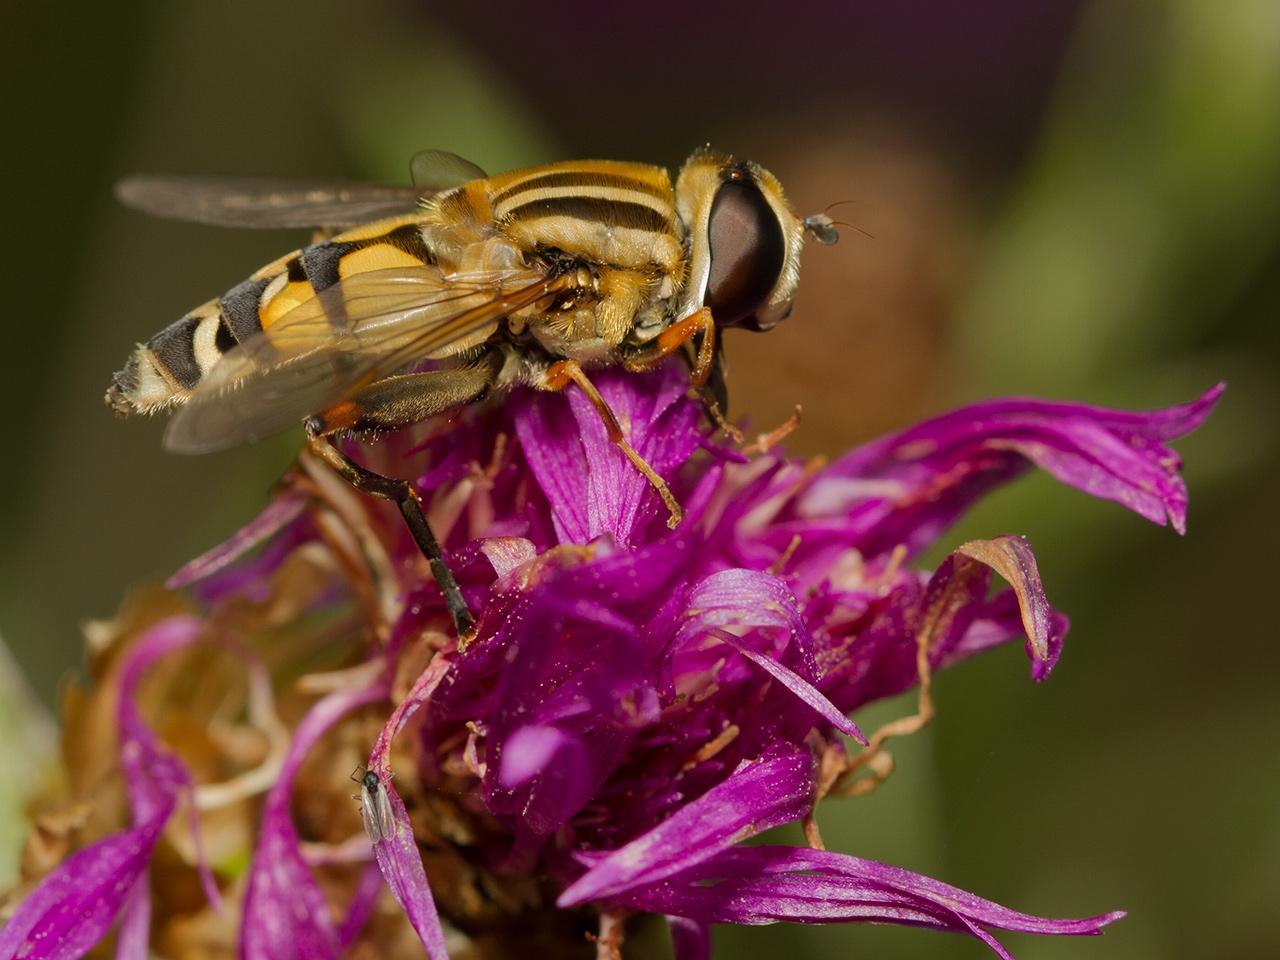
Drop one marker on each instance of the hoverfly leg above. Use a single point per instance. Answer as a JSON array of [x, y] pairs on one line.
[[402, 493], [714, 396], [711, 407], [700, 324], [564, 372], [395, 402], [707, 367]]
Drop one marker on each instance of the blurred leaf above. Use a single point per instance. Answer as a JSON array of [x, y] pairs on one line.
[[424, 89], [1152, 201]]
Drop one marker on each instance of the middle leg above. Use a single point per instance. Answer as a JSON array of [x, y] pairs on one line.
[[559, 376]]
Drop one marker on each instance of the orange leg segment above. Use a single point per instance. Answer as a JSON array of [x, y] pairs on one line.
[[559, 376], [675, 337]]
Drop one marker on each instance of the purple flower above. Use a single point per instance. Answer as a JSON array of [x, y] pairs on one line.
[[638, 701]]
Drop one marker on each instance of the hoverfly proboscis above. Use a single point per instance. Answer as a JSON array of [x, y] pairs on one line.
[[416, 300]]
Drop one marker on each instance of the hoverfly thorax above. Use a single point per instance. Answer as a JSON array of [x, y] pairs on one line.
[[744, 241]]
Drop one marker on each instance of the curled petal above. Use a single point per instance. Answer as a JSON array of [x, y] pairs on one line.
[[1011, 557], [154, 777], [805, 691], [748, 600], [278, 514], [74, 906], [420, 693]]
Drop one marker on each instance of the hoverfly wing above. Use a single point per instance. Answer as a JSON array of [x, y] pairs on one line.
[[264, 203], [228, 410], [433, 171], [326, 349]]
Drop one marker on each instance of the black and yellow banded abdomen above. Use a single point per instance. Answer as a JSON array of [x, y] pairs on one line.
[[162, 372]]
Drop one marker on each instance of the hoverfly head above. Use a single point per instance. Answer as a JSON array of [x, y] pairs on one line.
[[744, 241]]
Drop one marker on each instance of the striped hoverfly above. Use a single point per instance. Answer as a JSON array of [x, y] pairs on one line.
[[419, 299]]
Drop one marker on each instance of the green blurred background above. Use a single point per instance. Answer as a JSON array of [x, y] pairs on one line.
[[1080, 200]]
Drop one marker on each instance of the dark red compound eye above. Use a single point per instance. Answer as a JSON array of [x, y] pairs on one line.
[[748, 252]]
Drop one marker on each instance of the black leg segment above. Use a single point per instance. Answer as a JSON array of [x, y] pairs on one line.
[[401, 492]]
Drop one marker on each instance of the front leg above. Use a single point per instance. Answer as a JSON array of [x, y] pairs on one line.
[[707, 374], [672, 339]]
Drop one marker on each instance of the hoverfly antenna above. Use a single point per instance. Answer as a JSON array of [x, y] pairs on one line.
[[822, 228]]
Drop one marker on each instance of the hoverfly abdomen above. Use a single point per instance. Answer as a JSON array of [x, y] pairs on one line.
[[165, 370], [239, 310]]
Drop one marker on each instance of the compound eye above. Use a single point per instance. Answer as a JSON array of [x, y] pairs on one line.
[[748, 252]]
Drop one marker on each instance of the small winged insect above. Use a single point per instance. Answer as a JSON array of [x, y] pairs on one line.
[[375, 807], [412, 301]]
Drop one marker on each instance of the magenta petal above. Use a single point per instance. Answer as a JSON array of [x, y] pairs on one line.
[[766, 884], [278, 514], [690, 939], [75, 906], [592, 488], [285, 912], [398, 856], [528, 751], [419, 694], [401, 864], [908, 487], [803, 690], [133, 939], [753, 798], [154, 777]]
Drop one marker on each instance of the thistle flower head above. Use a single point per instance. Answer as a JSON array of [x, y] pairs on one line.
[[638, 701]]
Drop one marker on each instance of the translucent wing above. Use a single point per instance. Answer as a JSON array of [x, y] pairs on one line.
[[265, 203], [376, 813], [326, 349], [435, 170]]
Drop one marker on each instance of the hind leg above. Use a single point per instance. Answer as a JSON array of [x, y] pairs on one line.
[[399, 401], [387, 405]]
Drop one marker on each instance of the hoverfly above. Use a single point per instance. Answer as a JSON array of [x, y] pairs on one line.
[[416, 300]]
